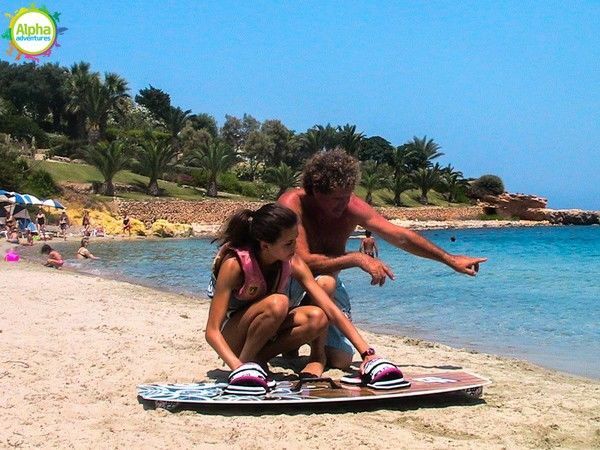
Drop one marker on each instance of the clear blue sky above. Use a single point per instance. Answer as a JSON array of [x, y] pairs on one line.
[[510, 88]]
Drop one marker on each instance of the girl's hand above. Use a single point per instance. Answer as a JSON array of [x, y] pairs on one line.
[[365, 361]]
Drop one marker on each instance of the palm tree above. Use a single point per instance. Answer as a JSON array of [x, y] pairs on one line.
[[452, 183], [400, 161], [77, 84], [426, 179], [93, 99], [371, 182], [155, 157], [326, 136], [422, 152], [109, 159], [283, 176], [215, 159], [399, 185], [175, 122], [312, 142], [349, 139]]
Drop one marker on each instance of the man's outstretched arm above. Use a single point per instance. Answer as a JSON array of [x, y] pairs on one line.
[[415, 243]]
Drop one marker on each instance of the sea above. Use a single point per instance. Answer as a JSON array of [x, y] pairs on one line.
[[536, 298]]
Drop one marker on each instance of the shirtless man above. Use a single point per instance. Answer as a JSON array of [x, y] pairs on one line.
[[368, 246], [329, 212]]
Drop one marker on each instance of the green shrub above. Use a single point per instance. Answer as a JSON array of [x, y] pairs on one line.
[[229, 182], [41, 184], [20, 127], [12, 168], [486, 185]]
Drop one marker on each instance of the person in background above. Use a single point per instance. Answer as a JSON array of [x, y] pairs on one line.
[[64, 223], [40, 219], [11, 255], [55, 259], [368, 246], [28, 237], [83, 252], [127, 224], [86, 223]]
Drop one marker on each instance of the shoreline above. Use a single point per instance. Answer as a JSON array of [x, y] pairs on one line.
[[575, 368], [74, 348]]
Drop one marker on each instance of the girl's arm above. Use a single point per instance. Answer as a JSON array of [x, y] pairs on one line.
[[230, 275], [302, 273]]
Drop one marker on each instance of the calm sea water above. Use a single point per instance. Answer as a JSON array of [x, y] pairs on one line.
[[537, 298]]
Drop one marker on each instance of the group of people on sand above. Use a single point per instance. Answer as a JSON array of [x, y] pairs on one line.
[[275, 282]]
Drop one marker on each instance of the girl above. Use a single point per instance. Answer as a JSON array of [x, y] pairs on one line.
[[250, 320], [55, 259]]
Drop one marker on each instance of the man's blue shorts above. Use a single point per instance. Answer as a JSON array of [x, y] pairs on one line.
[[335, 338]]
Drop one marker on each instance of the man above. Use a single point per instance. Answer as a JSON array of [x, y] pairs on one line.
[[368, 246], [329, 212]]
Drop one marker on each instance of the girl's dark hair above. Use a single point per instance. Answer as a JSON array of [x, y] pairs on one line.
[[247, 227], [46, 249]]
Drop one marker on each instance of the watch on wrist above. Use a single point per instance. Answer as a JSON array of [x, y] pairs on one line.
[[368, 352]]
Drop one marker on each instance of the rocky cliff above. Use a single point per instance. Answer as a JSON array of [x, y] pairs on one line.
[[531, 207]]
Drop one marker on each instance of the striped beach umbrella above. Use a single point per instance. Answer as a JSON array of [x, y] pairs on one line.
[[53, 204], [24, 199]]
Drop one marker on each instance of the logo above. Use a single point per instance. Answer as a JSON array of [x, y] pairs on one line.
[[32, 32]]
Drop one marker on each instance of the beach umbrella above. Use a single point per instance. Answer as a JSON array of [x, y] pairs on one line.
[[20, 212], [24, 199], [5, 195], [53, 204]]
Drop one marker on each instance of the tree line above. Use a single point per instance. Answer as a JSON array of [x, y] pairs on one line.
[[77, 112]]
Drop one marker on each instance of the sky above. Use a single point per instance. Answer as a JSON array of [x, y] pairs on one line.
[[510, 88]]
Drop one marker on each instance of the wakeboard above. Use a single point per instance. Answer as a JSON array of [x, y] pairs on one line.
[[310, 391]]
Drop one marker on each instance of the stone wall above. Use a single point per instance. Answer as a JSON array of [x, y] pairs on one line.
[[183, 211], [216, 211], [433, 213]]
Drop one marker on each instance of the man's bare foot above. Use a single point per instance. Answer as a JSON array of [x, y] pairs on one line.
[[313, 369]]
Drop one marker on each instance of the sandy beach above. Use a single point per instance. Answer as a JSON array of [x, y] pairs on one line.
[[74, 347]]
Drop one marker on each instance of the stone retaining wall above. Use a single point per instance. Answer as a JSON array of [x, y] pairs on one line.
[[216, 211]]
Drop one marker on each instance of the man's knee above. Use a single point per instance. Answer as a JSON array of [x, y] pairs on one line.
[[328, 283]]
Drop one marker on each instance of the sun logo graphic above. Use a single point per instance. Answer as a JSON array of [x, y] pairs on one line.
[[32, 33]]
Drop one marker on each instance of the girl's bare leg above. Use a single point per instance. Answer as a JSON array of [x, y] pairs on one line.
[[302, 325], [248, 331]]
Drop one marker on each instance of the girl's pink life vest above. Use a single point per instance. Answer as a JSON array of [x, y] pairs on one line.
[[12, 257], [255, 286]]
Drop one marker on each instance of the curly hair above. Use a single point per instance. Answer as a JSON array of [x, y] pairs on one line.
[[328, 171]]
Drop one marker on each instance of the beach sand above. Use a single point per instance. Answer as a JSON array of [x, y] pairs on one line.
[[74, 347]]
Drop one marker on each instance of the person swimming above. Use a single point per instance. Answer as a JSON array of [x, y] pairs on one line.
[[83, 252]]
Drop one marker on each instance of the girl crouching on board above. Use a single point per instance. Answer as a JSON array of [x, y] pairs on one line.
[[250, 320]]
